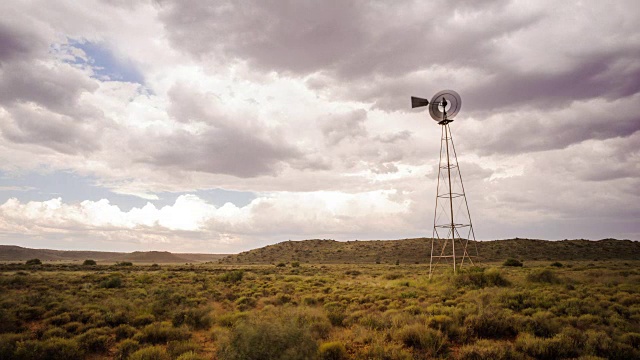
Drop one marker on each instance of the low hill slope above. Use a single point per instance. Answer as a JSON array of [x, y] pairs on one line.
[[418, 251], [18, 253], [153, 257]]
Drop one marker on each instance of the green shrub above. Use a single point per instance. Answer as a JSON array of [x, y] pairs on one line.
[[295, 264], [177, 348], [233, 276], [191, 355], [125, 348], [543, 276], [542, 324], [111, 282], [8, 344], [281, 264], [55, 332], [512, 262], [9, 322], [50, 349], [89, 262], [244, 303], [489, 350], [142, 320], [569, 343], [490, 325], [419, 337], [94, 341], [335, 313], [479, 278], [124, 263], [160, 333], [271, 337], [33, 262], [333, 351], [556, 264], [124, 331], [150, 353], [196, 318]]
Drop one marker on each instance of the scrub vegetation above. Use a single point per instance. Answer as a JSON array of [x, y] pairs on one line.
[[579, 310]]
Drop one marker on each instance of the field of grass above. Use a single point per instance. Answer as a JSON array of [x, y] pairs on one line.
[[544, 310]]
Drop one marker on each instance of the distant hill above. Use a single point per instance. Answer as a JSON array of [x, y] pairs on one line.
[[18, 253], [418, 250], [153, 256]]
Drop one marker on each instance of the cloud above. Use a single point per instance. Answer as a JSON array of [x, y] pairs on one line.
[[274, 215], [338, 127]]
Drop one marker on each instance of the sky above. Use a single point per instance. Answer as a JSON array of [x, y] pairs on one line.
[[197, 126]]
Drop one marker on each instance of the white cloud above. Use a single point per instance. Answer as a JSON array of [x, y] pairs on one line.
[[312, 111]]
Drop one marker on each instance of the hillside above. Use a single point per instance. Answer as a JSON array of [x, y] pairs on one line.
[[18, 253], [418, 251]]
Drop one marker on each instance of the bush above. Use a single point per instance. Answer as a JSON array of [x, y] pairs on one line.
[[150, 353], [196, 318], [479, 278], [177, 348], [233, 276], [191, 355], [51, 349], [33, 262], [124, 263], [94, 341], [125, 348], [295, 264], [160, 333], [8, 344], [336, 313], [89, 262], [490, 324], [512, 262], [419, 337], [489, 350], [124, 331], [333, 351], [274, 337], [543, 276], [556, 264], [142, 320], [111, 282]]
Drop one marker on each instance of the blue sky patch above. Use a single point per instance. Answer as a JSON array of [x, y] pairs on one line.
[[73, 188], [106, 65]]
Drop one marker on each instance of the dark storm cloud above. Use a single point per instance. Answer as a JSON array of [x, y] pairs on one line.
[[349, 40], [496, 56], [17, 43], [228, 151], [515, 133]]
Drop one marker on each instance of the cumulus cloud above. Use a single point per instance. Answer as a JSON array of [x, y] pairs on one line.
[[307, 104], [301, 214]]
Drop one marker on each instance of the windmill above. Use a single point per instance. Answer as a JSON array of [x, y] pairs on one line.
[[452, 219]]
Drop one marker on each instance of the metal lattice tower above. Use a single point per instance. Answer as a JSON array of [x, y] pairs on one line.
[[452, 226]]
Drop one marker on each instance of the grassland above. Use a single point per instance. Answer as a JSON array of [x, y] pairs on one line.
[[294, 310]]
